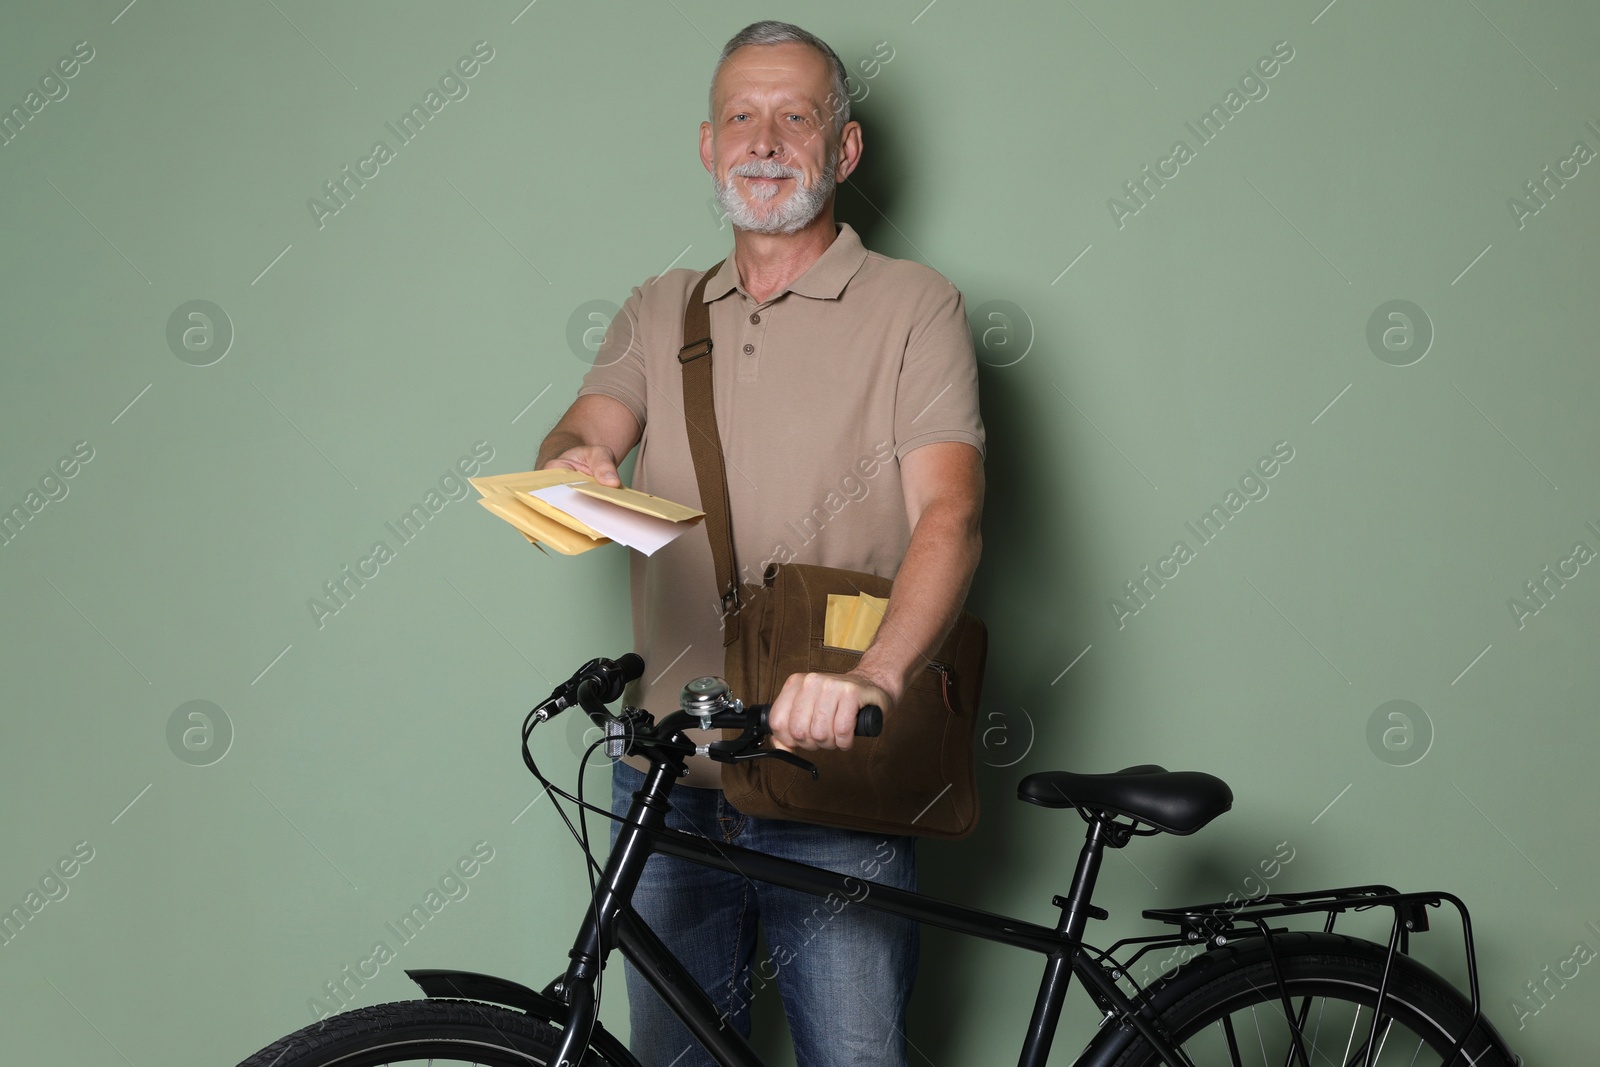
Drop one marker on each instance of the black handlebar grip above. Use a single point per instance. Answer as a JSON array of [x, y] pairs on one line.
[[869, 721], [631, 665]]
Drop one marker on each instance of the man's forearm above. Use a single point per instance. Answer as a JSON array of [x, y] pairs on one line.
[[555, 443], [929, 591]]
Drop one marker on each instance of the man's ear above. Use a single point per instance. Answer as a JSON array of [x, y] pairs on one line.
[[850, 148], [706, 148]]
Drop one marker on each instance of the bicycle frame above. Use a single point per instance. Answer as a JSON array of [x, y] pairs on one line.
[[612, 924]]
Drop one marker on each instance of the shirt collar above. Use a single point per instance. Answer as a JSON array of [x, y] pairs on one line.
[[825, 279]]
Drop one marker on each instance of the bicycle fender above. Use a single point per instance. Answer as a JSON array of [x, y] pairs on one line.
[[1115, 1036], [469, 985]]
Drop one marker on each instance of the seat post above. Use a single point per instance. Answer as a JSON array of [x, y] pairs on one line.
[[1075, 914]]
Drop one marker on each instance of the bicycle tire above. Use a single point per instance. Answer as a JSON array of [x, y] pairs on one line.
[[1225, 1008], [439, 1032]]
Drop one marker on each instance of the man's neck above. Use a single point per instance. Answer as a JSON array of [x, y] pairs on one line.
[[768, 262]]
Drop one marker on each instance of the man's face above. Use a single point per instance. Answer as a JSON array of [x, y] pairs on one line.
[[771, 148]]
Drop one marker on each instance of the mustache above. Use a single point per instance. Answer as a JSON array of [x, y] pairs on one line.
[[764, 168]]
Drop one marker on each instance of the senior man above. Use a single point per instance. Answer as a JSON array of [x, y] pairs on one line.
[[846, 398]]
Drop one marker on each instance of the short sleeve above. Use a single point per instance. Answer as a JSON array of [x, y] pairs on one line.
[[937, 395], [618, 370]]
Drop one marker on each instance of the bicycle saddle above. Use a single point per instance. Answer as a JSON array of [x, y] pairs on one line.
[[1176, 802]]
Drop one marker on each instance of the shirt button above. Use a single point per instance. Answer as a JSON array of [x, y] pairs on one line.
[[749, 349], [755, 318]]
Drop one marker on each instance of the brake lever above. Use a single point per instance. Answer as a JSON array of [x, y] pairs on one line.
[[779, 754]]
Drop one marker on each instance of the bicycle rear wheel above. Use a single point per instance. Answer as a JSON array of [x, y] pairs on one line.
[[1226, 1010], [437, 1032]]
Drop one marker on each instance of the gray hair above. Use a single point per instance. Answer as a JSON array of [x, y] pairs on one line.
[[770, 31]]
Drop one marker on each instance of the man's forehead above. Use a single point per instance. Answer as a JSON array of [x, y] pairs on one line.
[[793, 68]]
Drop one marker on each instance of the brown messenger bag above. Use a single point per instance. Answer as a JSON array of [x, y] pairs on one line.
[[917, 776]]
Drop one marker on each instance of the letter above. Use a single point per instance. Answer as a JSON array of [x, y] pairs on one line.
[[1561, 169], [786, 953], [60, 86], [418, 116], [361, 566], [1233, 501], [320, 611], [1283, 450], [15, 515], [833, 502], [404, 540], [468, 867], [1562, 570], [334, 992], [34, 98], [1120, 211], [1278, 50], [1267, 466], [53, 887], [434, 502], [453, 888], [1271, 868], [1279, 851], [467, 66], [433, 902], [1121, 612], [785, 554], [348, 977], [1161, 566], [1148, 178], [1254, 488], [483, 850], [67, 467], [321, 1010], [1233, 102], [382, 150], [1182, 552], [68, 67], [819, 516], [433, 102], [1523, 1012], [1144, 583], [361, 964], [1161, 165], [484, 451], [1544, 583], [84, 851], [361, 166], [1561, 968], [1582, 553], [1267, 67], [418, 916], [83, 50], [1520, 611], [1201, 137], [867, 466], [34, 502], [884, 450], [15, 917], [1204, 540], [60, 487], [761, 969], [34, 902], [344, 583], [321, 211], [483, 51], [67, 867], [1551, 977], [1133, 191], [1582, 953], [1133, 592], [1182, 152], [854, 488], [1534, 191], [344, 183], [417, 514], [383, 952], [1550, 176], [460, 88], [382, 551], [843, 902], [1582, 152], [15, 117], [1535, 992], [1220, 514], [1217, 114], [453, 487], [333, 194], [1259, 92]]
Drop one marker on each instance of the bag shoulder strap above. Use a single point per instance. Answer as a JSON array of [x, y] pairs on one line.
[[705, 444]]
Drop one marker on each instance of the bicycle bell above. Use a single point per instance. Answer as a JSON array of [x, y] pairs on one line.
[[704, 697]]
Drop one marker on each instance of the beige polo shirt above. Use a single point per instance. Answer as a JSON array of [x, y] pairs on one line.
[[819, 392]]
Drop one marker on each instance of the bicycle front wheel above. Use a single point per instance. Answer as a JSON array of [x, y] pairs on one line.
[[1226, 1009], [421, 1032]]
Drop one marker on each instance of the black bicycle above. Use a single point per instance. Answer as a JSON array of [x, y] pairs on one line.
[[1257, 988]]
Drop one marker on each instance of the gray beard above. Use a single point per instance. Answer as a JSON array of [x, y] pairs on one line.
[[805, 202]]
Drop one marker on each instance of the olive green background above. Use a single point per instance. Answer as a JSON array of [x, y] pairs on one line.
[[1134, 370]]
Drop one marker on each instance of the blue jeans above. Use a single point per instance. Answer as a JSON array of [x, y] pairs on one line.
[[844, 973]]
